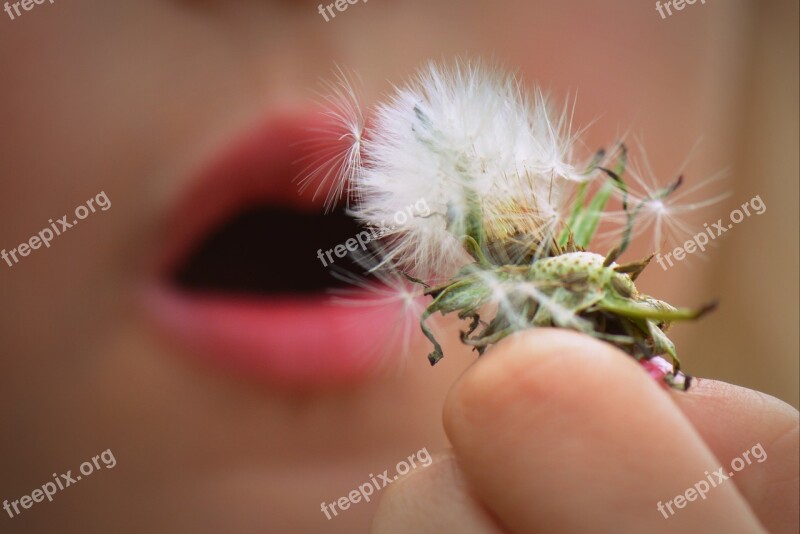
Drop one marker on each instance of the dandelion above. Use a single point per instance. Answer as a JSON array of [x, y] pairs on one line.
[[513, 208], [661, 207], [336, 157]]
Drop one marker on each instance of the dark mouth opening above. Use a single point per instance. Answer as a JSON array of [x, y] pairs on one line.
[[269, 250]]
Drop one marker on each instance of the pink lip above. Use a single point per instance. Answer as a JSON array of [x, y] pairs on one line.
[[290, 340]]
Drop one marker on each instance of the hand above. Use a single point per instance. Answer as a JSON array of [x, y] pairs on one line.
[[554, 431]]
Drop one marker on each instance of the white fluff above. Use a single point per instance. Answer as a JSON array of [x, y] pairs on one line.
[[451, 134], [336, 159]]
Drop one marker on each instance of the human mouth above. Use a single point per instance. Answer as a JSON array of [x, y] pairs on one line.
[[238, 283]]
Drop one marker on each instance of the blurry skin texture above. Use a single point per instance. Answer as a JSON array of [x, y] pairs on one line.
[[125, 97]]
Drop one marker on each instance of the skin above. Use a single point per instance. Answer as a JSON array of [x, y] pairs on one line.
[[127, 97], [531, 455]]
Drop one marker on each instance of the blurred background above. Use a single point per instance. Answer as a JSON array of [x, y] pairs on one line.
[[127, 96], [753, 339]]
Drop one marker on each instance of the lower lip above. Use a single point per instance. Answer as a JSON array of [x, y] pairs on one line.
[[289, 340]]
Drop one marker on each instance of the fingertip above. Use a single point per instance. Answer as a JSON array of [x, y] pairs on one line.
[[551, 421], [737, 422], [534, 368], [718, 393]]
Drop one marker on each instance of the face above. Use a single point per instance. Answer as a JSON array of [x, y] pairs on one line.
[[176, 315]]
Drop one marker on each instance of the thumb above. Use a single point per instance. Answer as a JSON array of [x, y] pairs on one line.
[[556, 431]]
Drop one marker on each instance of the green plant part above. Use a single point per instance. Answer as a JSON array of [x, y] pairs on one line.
[[557, 283]]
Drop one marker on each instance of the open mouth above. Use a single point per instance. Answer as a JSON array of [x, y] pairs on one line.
[[239, 281], [267, 251]]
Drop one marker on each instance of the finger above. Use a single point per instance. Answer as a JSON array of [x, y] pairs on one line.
[[556, 431], [431, 501], [754, 427]]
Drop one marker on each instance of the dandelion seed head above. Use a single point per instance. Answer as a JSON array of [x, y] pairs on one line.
[[459, 136], [505, 230]]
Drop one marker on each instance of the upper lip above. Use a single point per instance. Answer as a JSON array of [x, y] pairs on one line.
[[258, 166], [291, 340]]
